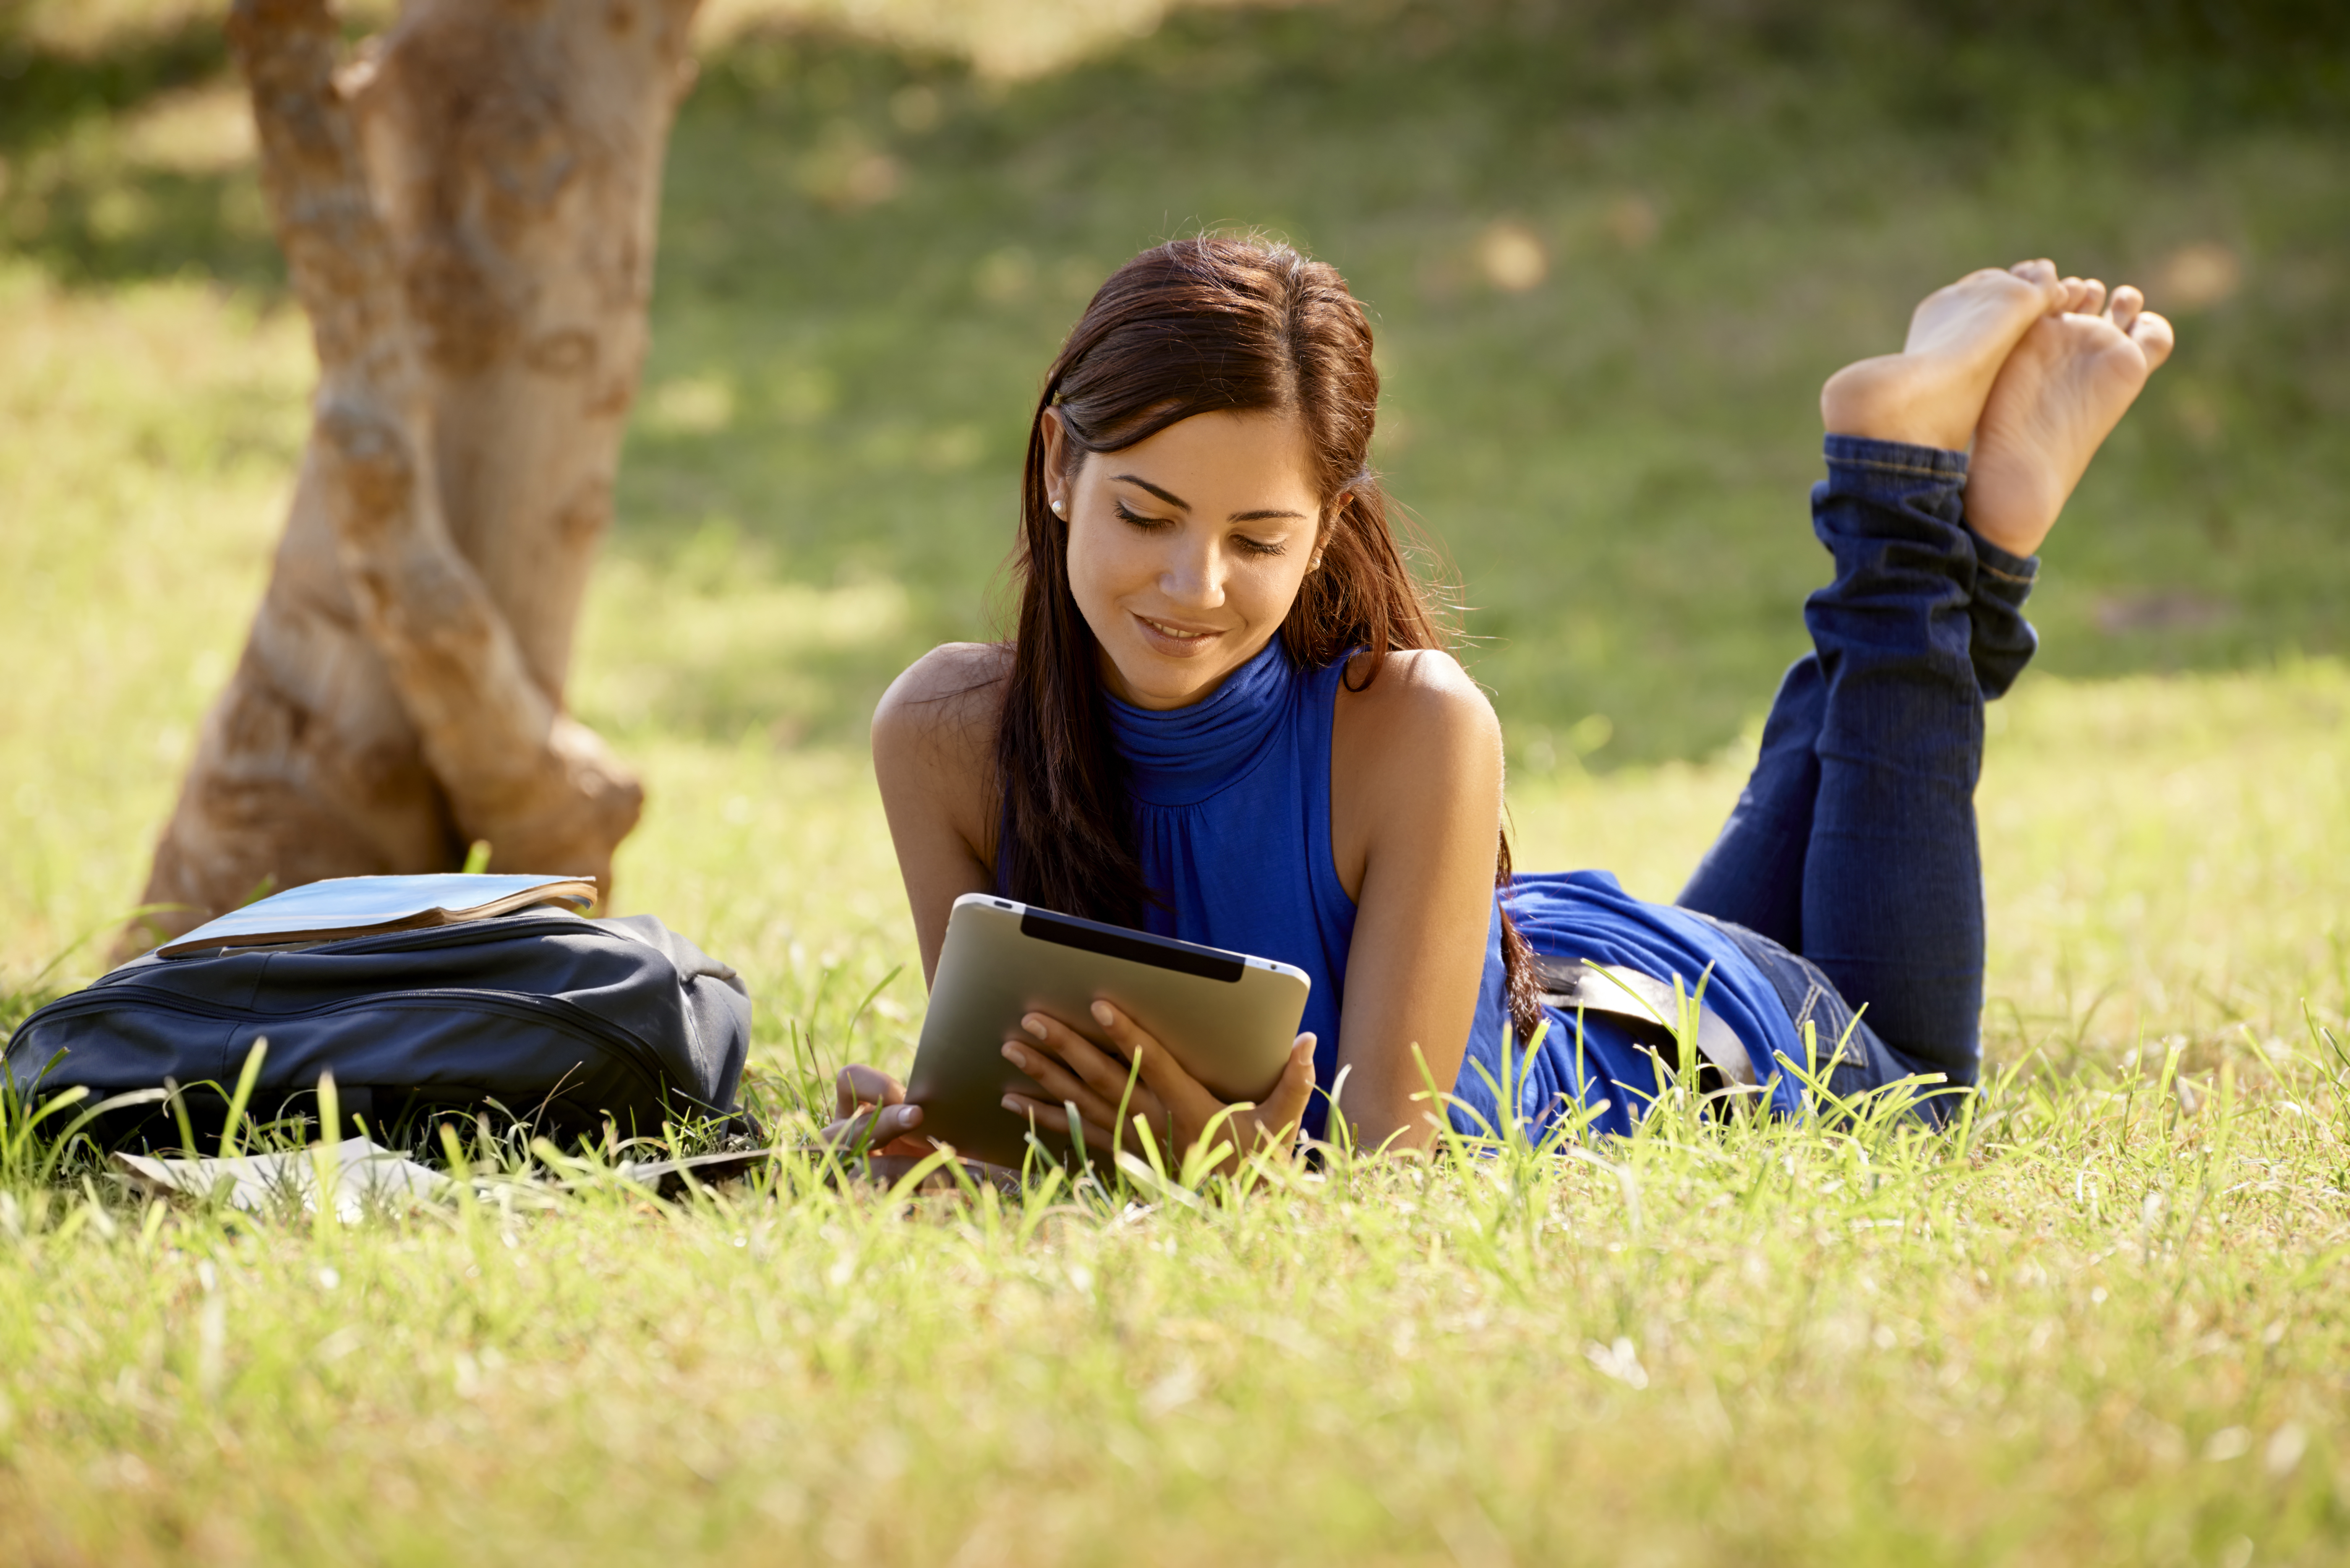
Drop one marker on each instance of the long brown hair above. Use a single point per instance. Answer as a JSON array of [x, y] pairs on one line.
[[1195, 327]]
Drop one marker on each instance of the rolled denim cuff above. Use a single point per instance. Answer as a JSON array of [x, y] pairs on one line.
[[1897, 487], [1896, 466], [2010, 575], [2002, 642], [1895, 457], [1890, 489]]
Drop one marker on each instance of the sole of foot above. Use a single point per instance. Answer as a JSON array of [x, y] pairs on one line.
[[1932, 392], [2066, 385]]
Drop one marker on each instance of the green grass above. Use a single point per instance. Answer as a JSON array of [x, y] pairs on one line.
[[2098, 1327], [867, 255], [2103, 1327], [1614, 460]]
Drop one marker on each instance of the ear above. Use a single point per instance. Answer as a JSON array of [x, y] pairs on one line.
[[1057, 441]]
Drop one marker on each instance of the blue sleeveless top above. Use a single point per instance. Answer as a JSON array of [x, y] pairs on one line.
[[1231, 798]]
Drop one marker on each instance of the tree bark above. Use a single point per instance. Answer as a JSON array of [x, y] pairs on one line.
[[467, 213]]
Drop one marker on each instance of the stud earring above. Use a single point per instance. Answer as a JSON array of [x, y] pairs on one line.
[[1060, 509]]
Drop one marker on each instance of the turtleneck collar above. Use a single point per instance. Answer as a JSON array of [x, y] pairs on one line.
[[1177, 756]]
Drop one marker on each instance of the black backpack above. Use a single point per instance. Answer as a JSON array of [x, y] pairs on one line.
[[554, 1018]]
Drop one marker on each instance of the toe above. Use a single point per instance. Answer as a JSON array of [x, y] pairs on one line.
[[2153, 337], [2089, 298], [2042, 274], [2122, 308]]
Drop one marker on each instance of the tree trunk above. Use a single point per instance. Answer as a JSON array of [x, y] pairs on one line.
[[467, 213]]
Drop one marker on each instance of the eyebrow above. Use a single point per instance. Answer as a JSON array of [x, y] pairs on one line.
[[1173, 499], [1168, 496]]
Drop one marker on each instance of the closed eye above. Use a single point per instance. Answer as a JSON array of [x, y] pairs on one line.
[[1147, 525], [1260, 546]]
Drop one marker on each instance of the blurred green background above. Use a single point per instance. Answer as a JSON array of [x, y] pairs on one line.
[[1611, 248]]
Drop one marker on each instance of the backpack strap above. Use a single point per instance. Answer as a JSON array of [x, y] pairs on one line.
[[1573, 984]]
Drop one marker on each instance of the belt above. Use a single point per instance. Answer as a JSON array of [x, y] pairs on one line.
[[1572, 984]]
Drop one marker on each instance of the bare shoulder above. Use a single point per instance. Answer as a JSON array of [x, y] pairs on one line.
[[934, 758], [937, 721], [1419, 697], [1415, 762], [953, 673], [954, 689]]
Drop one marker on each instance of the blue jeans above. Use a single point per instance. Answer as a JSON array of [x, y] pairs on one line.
[[1849, 871]]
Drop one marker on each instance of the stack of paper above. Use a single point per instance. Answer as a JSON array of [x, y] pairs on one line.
[[363, 1172], [344, 906]]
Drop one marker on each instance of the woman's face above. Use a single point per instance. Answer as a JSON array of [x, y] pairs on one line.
[[1187, 550]]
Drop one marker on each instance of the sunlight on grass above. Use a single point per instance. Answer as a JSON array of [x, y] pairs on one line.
[[2099, 1323], [728, 649], [1758, 1342], [1005, 40], [146, 441], [198, 130]]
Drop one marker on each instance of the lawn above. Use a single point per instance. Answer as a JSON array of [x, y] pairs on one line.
[[2102, 1325]]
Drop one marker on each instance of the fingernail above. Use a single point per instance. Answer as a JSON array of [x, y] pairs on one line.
[[1017, 1056], [1033, 1025], [913, 1115], [1102, 1014], [1012, 1104]]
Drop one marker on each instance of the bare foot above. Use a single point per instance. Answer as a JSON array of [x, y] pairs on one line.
[[1932, 392], [2060, 394]]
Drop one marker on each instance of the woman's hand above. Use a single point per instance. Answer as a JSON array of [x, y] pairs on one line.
[[1173, 1104], [871, 1115]]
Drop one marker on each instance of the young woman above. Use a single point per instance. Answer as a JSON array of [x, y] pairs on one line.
[[1227, 715]]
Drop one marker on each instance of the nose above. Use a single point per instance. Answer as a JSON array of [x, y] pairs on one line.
[[1193, 574]]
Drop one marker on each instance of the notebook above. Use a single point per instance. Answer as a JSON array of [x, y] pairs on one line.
[[344, 906]]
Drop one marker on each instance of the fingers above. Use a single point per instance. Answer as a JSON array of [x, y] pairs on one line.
[[1283, 1110], [877, 1129], [861, 1086], [1071, 1069], [1096, 1069], [1044, 1118], [873, 1117], [1165, 1077], [1058, 1082], [891, 1123]]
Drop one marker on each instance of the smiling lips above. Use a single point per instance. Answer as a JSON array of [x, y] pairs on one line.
[[1171, 638]]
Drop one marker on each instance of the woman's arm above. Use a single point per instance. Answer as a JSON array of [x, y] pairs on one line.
[[1414, 806], [1415, 821], [934, 756]]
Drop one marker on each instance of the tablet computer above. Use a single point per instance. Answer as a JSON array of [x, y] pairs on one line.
[[1230, 1019]]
